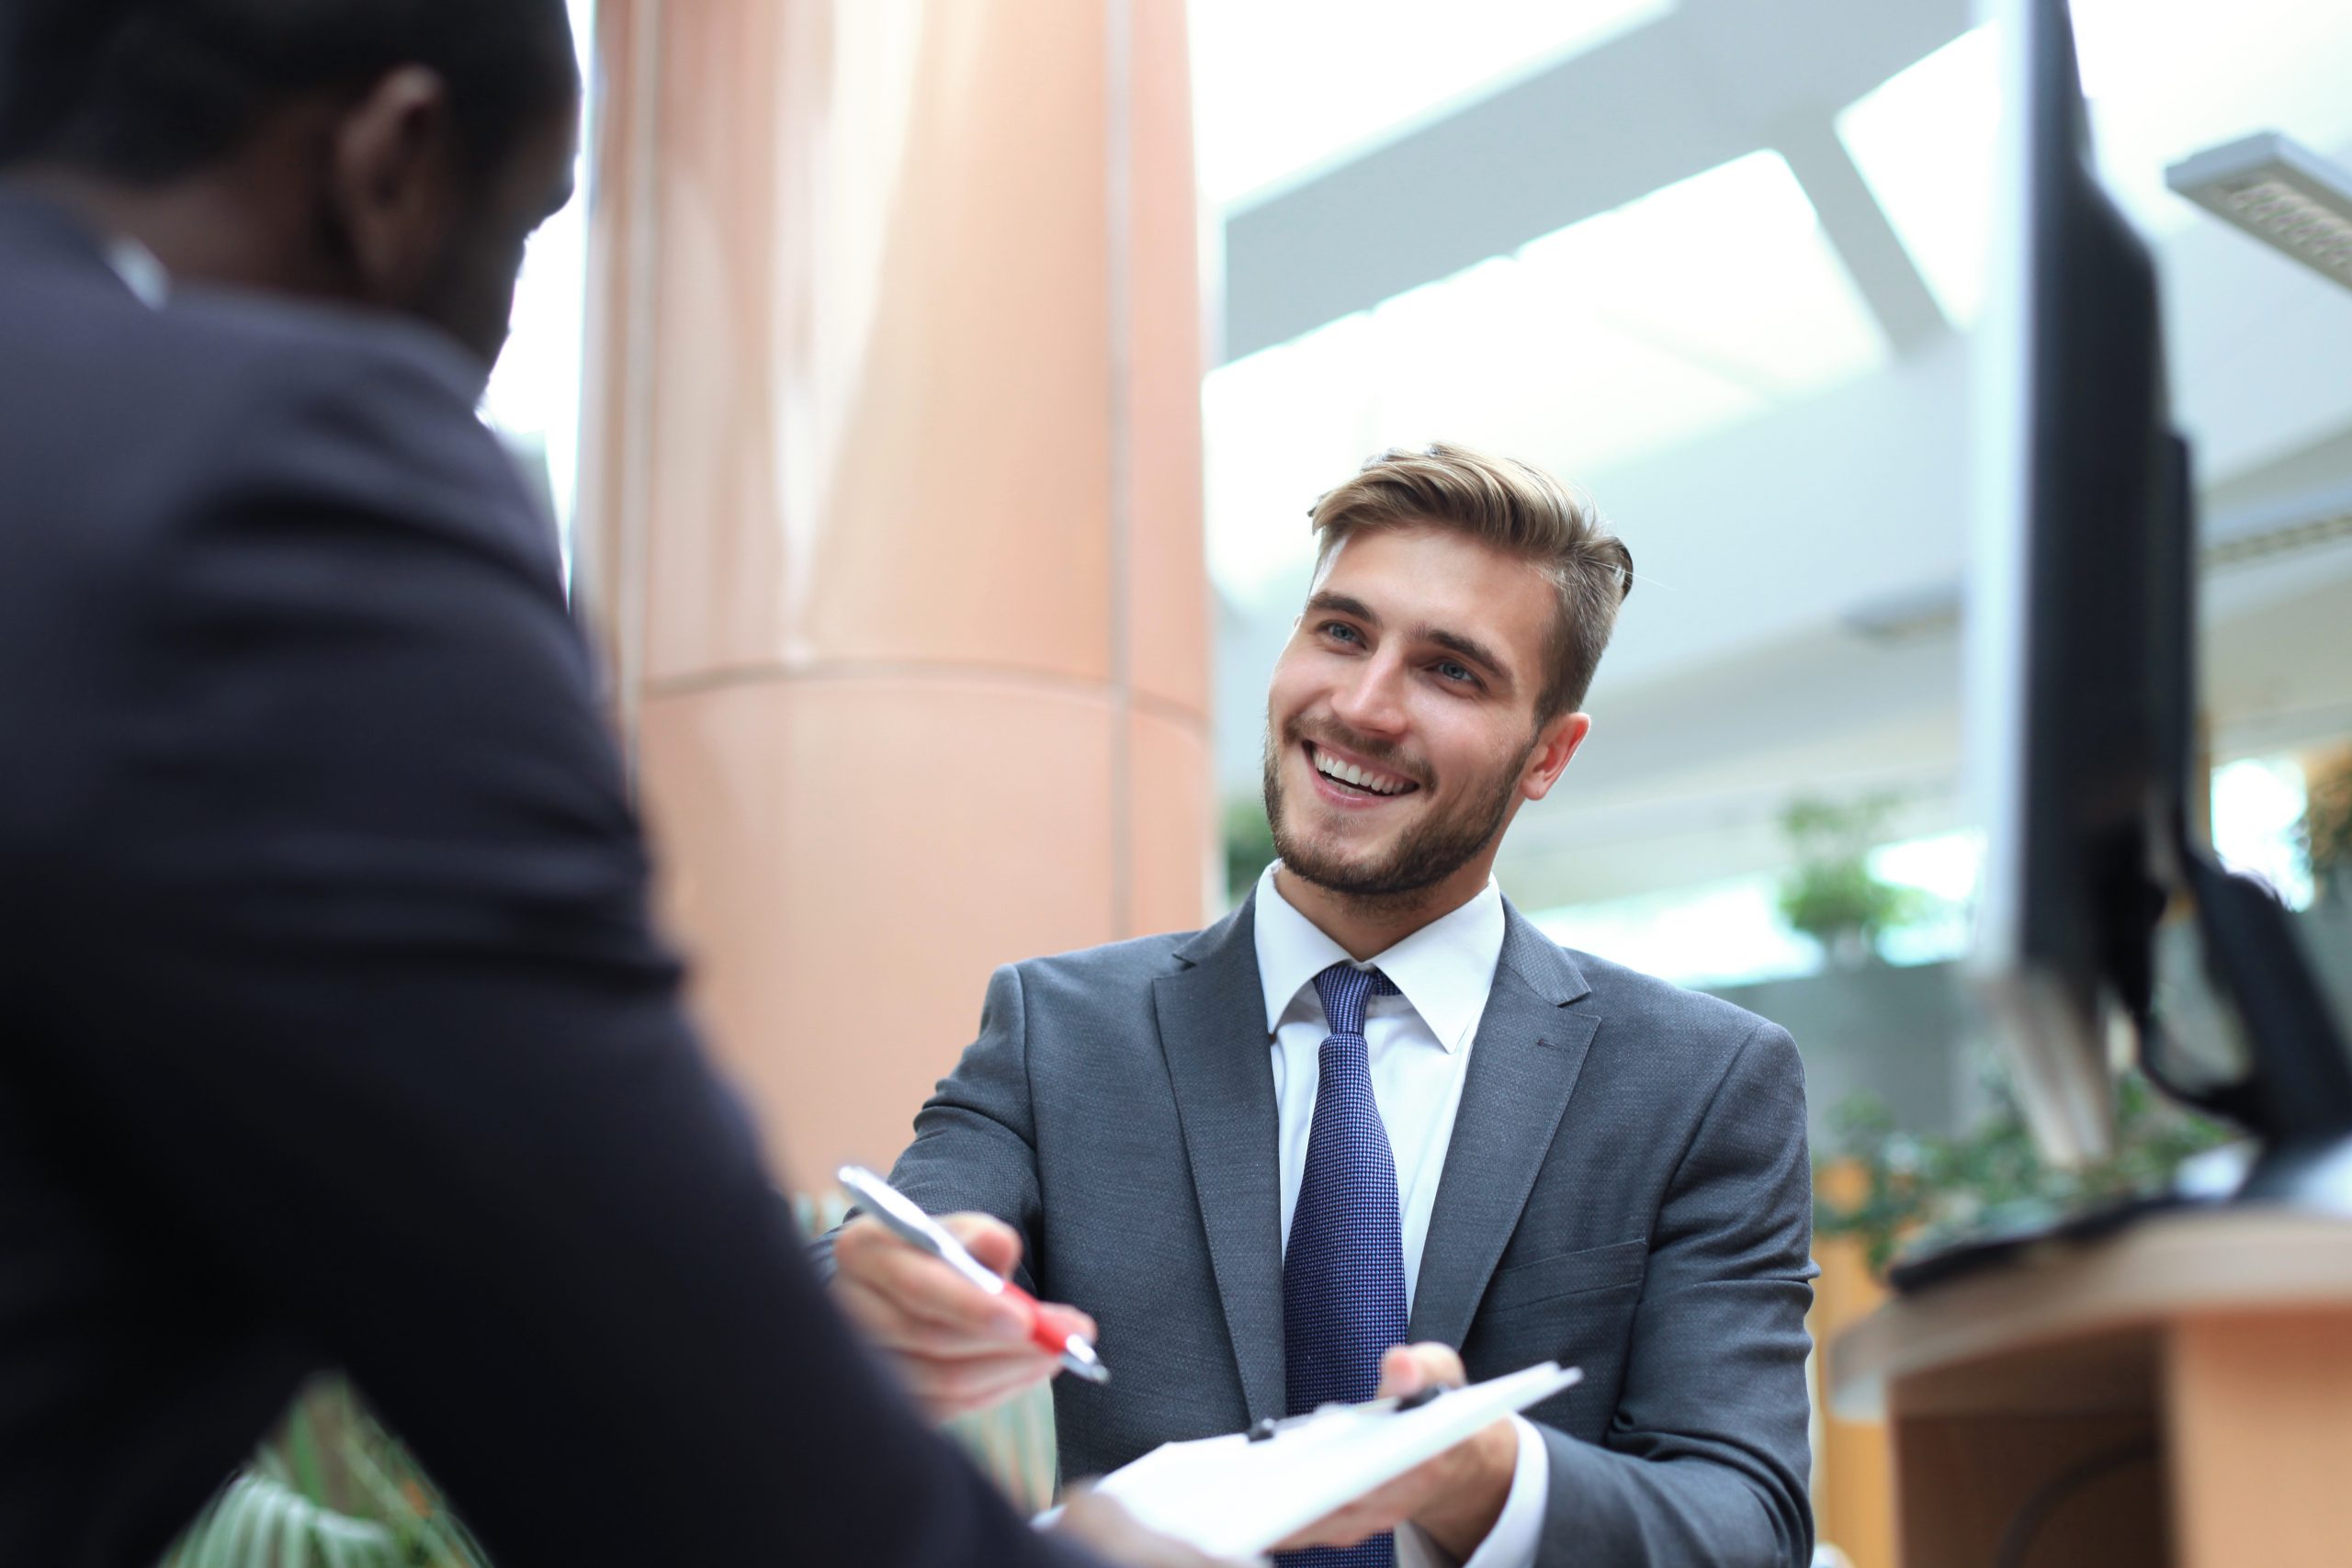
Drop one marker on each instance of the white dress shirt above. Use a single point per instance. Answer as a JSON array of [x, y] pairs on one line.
[[1419, 1046]]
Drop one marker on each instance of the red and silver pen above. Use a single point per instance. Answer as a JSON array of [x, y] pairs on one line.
[[911, 1225]]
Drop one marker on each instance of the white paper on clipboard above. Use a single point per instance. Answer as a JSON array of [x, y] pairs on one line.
[[1233, 1497]]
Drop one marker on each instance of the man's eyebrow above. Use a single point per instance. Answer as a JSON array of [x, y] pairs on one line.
[[1469, 647], [1340, 604]]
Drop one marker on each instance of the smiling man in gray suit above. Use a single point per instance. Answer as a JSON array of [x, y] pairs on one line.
[[1374, 1129]]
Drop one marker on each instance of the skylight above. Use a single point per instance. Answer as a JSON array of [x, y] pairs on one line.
[[1923, 140], [1279, 429], [1700, 305], [1283, 87], [1728, 271]]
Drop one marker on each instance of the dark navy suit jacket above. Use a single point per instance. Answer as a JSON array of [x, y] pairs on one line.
[[331, 1028]]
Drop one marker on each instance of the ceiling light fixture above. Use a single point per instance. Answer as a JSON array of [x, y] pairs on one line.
[[2286, 196]]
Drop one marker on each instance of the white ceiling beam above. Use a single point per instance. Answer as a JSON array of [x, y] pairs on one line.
[[1706, 83], [1883, 273]]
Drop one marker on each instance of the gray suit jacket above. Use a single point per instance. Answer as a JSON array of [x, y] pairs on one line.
[[1627, 1191]]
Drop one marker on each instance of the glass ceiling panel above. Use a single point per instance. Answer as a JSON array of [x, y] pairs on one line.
[[1279, 429], [1729, 270], [1280, 87], [1924, 141], [2166, 78], [1636, 331], [1527, 362]]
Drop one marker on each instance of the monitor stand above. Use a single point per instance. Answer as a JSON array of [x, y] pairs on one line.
[[2296, 1098]]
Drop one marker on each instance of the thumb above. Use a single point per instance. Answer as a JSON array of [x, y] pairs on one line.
[[1409, 1369], [1400, 1373]]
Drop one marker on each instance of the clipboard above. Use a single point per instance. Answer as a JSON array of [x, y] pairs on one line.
[[1237, 1495]]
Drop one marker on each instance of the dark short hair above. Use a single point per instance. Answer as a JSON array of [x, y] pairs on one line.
[[149, 90], [1514, 507]]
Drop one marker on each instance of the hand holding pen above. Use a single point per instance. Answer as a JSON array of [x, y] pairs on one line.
[[933, 1294]]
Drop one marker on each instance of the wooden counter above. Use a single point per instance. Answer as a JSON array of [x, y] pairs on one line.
[[2191, 1377]]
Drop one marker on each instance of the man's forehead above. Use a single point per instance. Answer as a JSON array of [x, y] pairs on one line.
[[1428, 565]]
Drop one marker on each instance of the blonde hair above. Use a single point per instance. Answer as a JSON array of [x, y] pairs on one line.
[[1513, 507]]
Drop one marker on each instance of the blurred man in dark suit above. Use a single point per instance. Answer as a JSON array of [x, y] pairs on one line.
[[334, 1031]]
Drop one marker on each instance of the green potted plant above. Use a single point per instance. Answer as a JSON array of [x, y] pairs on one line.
[[330, 1488], [1921, 1191], [1833, 896]]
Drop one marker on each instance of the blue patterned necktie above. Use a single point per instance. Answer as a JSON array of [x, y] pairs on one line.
[[1343, 1274]]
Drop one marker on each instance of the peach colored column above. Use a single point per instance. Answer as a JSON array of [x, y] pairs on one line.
[[891, 506]]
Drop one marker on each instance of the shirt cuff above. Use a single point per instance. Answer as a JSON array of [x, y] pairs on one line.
[[1518, 1530]]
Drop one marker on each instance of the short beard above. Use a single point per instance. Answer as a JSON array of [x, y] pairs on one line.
[[1425, 856]]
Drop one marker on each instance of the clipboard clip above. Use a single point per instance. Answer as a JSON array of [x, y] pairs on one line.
[[1270, 1427]]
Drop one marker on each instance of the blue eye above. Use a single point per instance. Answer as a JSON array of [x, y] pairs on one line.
[[1341, 630], [1458, 674]]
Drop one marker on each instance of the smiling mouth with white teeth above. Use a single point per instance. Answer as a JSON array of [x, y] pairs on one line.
[[1362, 780]]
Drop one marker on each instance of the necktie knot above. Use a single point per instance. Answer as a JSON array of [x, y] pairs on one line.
[[1345, 990]]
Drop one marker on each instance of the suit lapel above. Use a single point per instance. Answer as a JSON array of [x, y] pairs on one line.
[[1524, 1064], [1213, 1029]]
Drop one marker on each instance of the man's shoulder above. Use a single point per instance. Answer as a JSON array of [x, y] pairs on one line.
[[312, 390], [212, 353], [210, 377], [1132, 963], [1115, 980], [1659, 1039], [320, 346], [237, 403], [1665, 1011]]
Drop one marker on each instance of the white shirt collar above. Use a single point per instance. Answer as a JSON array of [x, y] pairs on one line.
[[1445, 969]]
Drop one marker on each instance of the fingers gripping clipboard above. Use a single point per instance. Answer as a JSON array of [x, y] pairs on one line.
[[1237, 1495]]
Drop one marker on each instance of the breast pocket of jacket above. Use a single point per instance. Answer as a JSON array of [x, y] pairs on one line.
[[1547, 1306]]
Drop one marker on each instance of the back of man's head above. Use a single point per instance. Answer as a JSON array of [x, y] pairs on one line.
[[391, 154], [147, 91]]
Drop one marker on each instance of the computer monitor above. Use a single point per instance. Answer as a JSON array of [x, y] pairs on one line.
[[2082, 627]]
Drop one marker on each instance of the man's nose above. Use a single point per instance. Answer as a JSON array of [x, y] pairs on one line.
[[1373, 703]]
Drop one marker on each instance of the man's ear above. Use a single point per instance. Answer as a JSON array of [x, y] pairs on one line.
[[1554, 744], [393, 183]]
